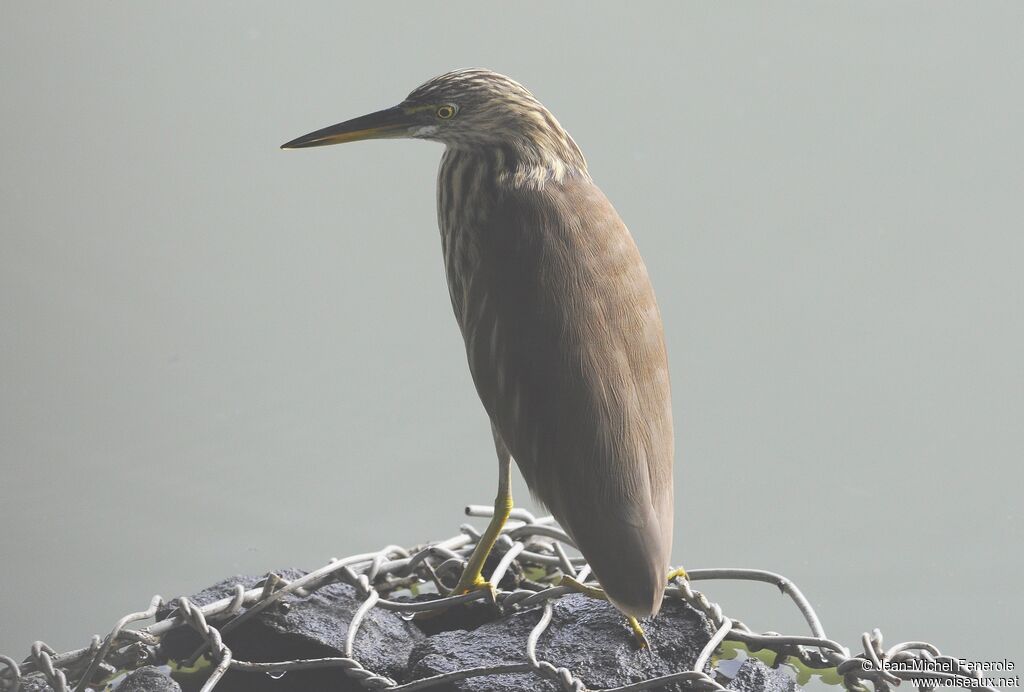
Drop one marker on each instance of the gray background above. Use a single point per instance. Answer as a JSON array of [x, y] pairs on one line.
[[218, 357]]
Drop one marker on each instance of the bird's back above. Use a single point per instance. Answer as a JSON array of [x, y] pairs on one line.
[[566, 349]]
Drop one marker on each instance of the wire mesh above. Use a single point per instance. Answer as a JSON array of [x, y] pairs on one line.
[[527, 542]]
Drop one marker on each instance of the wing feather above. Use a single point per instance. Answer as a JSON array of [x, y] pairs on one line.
[[565, 346]]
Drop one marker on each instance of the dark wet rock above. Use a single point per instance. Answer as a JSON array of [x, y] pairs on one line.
[[181, 642], [35, 683], [310, 627], [591, 639], [588, 637], [149, 679], [755, 676], [467, 616]]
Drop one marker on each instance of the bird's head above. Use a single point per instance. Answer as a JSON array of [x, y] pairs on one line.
[[462, 109]]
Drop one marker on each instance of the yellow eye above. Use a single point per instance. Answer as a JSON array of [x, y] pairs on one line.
[[446, 112]]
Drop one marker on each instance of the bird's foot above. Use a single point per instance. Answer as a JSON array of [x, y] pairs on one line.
[[594, 592], [582, 588], [476, 583], [678, 573], [460, 589]]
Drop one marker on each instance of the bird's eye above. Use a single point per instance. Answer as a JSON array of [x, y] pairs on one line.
[[446, 112]]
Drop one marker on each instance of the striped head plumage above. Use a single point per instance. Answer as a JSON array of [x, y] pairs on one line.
[[480, 108], [472, 109]]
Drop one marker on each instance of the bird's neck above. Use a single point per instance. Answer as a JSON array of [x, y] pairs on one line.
[[526, 162]]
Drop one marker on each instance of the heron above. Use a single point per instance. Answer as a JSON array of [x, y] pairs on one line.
[[562, 330]]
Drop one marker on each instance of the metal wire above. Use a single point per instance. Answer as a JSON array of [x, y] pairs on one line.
[[528, 542]]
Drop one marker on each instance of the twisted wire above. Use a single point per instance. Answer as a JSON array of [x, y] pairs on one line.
[[527, 541]]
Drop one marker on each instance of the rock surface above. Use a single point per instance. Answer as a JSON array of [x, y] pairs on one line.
[[588, 637], [148, 679], [145, 679], [311, 627], [755, 675], [35, 684]]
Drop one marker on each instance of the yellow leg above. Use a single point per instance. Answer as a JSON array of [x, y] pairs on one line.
[[593, 592], [472, 577], [638, 633]]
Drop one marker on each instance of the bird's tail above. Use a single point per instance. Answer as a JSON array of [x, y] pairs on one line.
[[629, 556]]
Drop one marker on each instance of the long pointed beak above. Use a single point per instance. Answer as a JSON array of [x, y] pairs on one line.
[[390, 122]]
